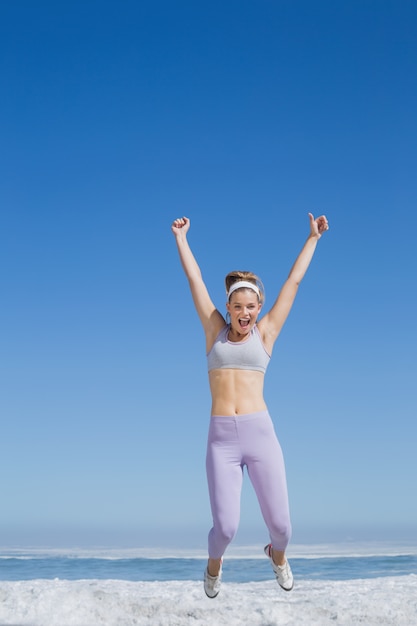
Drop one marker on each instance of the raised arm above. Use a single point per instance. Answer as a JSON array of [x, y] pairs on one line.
[[271, 324], [210, 317]]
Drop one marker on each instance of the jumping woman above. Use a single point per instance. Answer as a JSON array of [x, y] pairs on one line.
[[241, 432]]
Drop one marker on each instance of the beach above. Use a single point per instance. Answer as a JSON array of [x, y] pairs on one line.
[[347, 586], [376, 602]]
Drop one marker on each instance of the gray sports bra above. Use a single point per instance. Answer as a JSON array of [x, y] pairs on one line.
[[241, 355]]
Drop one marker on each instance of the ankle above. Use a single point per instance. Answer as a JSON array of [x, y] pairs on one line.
[[213, 567], [278, 557]]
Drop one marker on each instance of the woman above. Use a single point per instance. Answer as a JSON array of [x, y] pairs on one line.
[[241, 431]]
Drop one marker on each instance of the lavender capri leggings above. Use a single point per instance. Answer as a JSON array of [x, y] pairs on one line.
[[234, 442]]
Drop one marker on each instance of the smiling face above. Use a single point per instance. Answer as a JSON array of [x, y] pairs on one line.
[[244, 308]]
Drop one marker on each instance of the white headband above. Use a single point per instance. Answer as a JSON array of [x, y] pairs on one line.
[[240, 284]]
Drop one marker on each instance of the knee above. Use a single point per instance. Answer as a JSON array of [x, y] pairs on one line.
[[280, 533], [219, 538], [226, 531]]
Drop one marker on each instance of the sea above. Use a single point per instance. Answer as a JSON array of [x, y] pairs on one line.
[[345, 584]]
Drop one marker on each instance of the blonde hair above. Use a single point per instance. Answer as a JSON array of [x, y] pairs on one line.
[[250, 277]]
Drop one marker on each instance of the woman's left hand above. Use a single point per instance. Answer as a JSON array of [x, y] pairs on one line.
[[318, 226]]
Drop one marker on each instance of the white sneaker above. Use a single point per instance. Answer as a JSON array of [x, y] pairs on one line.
[[212, 584], [283, 573]]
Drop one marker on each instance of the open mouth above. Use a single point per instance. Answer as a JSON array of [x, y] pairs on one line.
[[244, 323]]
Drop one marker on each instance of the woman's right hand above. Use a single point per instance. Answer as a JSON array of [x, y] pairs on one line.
[[180, 225]]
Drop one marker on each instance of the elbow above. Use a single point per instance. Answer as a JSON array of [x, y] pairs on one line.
[[295, 280]]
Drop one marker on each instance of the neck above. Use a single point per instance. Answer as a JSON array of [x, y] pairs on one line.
[[235, 335]]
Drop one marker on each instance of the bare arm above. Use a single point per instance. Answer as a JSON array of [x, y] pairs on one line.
[[210, 317], [271, 324]]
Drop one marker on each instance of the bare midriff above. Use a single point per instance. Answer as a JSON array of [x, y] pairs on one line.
[[236, 391]]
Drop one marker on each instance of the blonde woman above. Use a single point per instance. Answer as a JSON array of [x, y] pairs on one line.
[[241, 432]]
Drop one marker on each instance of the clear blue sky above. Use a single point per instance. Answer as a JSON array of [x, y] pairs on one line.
[[117, 117]]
